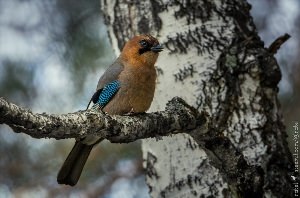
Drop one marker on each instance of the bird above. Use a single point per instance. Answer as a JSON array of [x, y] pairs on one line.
[[126, 87]]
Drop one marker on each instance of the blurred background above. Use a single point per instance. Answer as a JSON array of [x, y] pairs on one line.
[[52, 53]]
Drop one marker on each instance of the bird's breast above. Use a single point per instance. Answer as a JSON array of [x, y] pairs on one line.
[[136, 92]]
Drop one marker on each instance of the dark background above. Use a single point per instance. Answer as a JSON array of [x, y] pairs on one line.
[[52, 53]]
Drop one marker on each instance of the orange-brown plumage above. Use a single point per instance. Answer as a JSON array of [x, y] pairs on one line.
[[137, 78], [130, 52], [135, 74]]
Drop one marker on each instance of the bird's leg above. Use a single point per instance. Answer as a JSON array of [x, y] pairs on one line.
[[131, 112]]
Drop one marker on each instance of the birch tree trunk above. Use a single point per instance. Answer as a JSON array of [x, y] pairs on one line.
[[215, 61]]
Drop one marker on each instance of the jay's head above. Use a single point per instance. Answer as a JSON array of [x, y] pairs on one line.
[[141, 50]]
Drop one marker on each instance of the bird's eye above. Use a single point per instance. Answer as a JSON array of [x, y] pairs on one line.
[[144, 43]]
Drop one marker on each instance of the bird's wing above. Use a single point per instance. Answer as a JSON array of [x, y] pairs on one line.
[[111, 74], [108, 85], [106, 94]]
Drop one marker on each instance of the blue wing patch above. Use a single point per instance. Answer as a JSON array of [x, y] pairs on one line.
[[108, 92]]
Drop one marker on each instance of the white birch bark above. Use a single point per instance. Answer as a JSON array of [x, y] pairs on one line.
[[215, 61]]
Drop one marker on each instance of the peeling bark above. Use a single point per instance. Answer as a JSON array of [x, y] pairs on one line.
[[215, 61]]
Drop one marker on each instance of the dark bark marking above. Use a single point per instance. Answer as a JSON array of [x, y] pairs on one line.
[[247, 37], [189, 182], [157, 7], [270, 71], [248, 180], [274, 135], [120, 26], [200, 38], [159, 71], [231, 68], [240, 12], [186, 72], [191, 144], [150, 167], [143, 25], [147, 19], [193, 10]]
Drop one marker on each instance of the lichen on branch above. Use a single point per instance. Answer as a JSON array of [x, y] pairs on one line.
[[178, 117]]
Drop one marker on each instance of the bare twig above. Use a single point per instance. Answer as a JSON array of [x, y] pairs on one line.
[[274, 47]]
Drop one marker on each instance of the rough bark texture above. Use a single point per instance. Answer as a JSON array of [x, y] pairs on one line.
[[177, 118], [214, 61]]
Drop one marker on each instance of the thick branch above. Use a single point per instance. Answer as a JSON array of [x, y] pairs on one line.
[[178, 117]]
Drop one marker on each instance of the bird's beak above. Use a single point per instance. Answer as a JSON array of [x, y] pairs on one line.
[[157, 48]]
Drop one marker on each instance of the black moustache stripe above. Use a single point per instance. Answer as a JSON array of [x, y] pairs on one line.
[[143, 50]]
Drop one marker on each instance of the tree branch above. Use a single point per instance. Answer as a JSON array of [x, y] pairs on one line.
[[274, 47], [177, 117]]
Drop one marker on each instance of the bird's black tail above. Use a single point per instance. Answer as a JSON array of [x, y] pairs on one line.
[[71, 169]]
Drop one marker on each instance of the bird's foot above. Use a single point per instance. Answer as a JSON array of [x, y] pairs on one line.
[[131, 112]]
